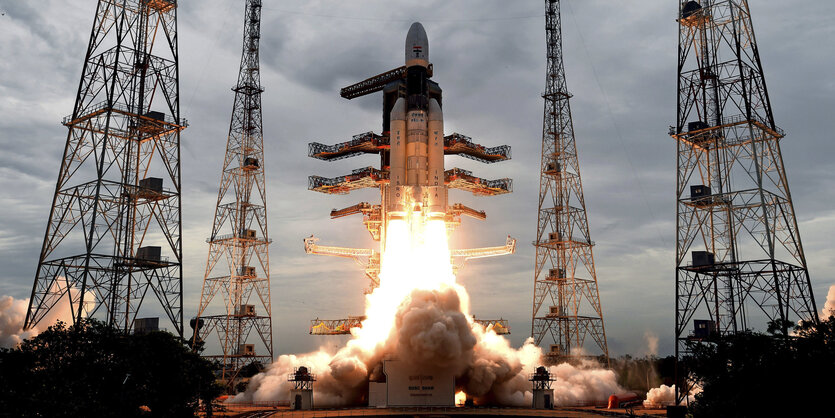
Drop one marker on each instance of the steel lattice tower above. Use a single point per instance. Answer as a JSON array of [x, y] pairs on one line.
[[239, 234], [734, 210], [564, 274], [114, 230]]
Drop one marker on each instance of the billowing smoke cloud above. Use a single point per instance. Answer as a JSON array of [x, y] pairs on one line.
[[588, 383], [13, 315], [342, 379], [666, 395], [652, 342], [829, 306], [433, 331]]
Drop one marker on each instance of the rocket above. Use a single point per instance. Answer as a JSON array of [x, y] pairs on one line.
[[416, 175]]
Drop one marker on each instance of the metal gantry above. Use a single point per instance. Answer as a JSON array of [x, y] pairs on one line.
[[566, 302], [739, 258], [114, 230], [238, 266], [393, 85]]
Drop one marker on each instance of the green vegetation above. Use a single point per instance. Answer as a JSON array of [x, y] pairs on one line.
[[92, 370], [766, 374]]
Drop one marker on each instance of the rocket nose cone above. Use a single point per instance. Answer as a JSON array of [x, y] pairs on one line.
[[417, 46], [416, 30]]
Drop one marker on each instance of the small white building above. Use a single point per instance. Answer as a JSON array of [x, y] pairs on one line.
[[543, 395], [301, 396], [402, 385]]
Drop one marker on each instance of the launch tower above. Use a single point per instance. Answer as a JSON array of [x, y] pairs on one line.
[[739, 259], [566, 302], [238, 266], [114, 230], [411, 177]]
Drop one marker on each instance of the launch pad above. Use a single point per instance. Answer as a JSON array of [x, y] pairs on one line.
[[563, 412]]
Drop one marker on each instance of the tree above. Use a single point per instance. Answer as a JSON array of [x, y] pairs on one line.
[[90, 369], [755, 374], [641, 374]]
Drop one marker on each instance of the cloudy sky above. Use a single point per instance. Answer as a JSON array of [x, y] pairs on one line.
[[489, 57]]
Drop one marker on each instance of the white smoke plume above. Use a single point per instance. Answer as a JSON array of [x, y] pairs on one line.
[[829, 306], [13, 315], [432, 330], [420, 316], [666, 395], [652, 342]]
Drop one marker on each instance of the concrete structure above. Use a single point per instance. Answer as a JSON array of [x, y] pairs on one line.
[[401, 385], [543, 395], [301, 399], [301, 396]]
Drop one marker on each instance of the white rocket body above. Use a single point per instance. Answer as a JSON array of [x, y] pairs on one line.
[[416, 173], [437, 190], [396, 198]]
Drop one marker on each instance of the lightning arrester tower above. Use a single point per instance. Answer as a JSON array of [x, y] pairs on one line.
[[114, 231], [735, 218], [238, 266], [566, 302]]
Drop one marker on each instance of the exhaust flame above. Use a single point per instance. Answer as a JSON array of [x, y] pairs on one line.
[[416, 257], [460, 397], [420, 314]]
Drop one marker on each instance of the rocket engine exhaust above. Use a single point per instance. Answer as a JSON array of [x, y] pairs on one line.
[[418, 314]]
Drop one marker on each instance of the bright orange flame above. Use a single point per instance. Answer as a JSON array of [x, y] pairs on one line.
[[460, 397], [416, 257]]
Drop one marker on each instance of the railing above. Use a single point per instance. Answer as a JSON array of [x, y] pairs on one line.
[[344, 182], [103, 107], [730, 121], [475, 184], [475, 151], [377, 82], [231, 236], [319, 150]]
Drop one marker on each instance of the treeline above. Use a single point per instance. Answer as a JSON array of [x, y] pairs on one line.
[[93, 370], [640, 374], [769, 374]]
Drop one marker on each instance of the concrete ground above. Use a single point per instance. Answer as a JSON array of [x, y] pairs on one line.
[[567, 412]]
